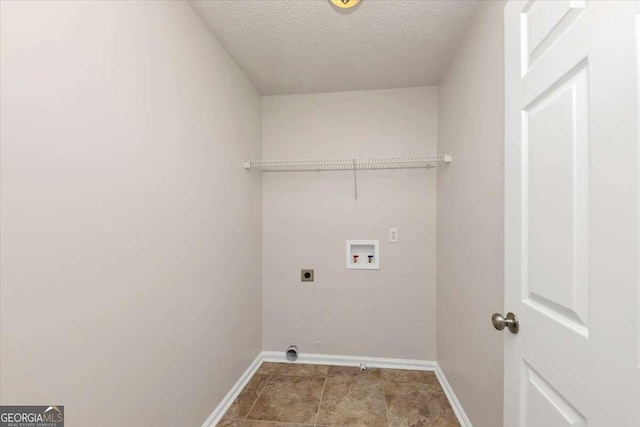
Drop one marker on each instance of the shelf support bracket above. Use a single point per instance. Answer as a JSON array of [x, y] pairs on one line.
[[355, 179]]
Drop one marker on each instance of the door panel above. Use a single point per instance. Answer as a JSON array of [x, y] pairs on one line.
[[545, 406], [543, 22], [555, 197], [572, 213]]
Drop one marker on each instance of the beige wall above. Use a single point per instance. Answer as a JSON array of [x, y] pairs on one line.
[[308, 217], [130, 292], [470, 218]]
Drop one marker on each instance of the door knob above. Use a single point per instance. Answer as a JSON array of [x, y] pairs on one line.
[[511, 322]]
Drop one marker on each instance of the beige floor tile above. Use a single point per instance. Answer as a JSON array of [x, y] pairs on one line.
[[404, 376], [295, 395], [269, 368], [289, 398], [353, 401], [417, 404], [250, 423], [302, 370], [228, 423], [438, 422], [353, 371], [247, 397], [292, 369]]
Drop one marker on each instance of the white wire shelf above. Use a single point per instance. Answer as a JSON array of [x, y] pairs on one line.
[[405, 162]]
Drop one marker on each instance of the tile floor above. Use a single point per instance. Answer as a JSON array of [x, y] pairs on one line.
[[290, 395]]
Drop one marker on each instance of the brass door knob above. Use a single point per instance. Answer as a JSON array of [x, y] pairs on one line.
[[511, 322]]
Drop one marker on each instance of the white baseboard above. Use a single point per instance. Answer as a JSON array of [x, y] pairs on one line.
[[371, 362], [228, 400], [329, 359], [453, 399]]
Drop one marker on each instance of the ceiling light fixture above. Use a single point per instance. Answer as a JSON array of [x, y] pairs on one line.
[[345, 4]]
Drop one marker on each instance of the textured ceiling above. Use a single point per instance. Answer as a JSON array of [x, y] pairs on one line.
[[302, 46]]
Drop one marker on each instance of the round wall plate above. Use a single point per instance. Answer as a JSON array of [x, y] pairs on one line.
[[345, 4]]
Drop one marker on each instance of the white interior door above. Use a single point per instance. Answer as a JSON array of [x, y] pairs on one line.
[[572, 213]]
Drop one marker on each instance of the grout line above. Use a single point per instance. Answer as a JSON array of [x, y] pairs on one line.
[[384, 395], [321, 397], [258, 397]]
